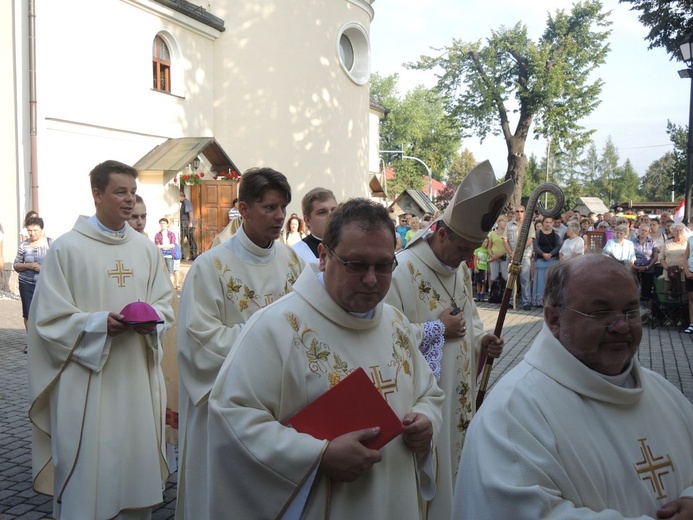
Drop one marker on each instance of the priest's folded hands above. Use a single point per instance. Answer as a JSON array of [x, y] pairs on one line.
[[454, 323], [116, 326]]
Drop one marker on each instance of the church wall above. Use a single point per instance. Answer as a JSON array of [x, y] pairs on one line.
[[270, 89], [283, 99], [96, 100], [11, 199]]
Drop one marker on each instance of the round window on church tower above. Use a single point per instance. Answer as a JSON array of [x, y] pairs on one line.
[[354, 53]]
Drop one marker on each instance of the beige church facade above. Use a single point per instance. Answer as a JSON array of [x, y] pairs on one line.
[[275, 83]]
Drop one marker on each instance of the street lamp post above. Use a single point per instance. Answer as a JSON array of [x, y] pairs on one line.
[[430, 177], [686, 48]]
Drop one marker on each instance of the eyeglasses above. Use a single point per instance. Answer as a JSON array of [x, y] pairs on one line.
[[608, 318], [362, 268]]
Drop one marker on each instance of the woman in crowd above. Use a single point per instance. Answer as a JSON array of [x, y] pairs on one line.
[[415, 226], [657, 236], [620, 248], [166, 242], [585, 226], [498, 255], [646, 255], [673, 258], [294, 231], [27, 263], [23, 235], [688, 272], [547, 245], [573, 245]]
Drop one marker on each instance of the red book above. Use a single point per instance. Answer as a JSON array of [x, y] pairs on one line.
[[352, 404]]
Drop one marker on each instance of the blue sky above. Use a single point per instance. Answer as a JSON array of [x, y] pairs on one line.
[[642, 88]]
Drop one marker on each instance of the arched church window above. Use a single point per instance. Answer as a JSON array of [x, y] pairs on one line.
[[161, 62]]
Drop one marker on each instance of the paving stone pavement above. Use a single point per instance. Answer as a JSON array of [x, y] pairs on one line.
[[664, 349]]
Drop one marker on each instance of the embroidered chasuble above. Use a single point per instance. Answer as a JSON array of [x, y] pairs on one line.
[[555, 439], [288, 355], [422, 288], [223, 289], [97, 402]]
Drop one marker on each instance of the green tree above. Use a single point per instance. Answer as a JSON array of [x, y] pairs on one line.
[[656, 183], [464, 162], [418, 126], [668, 21], [626, 183], [678, 135], [407, 177], [605, 182], [565, 172], [548, 82], [589, 168], [534, 176]]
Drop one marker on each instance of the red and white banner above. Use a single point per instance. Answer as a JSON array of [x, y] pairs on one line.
[[678, 214]]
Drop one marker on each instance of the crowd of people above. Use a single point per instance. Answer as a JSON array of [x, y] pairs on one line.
[[649, 246], [265, 328]]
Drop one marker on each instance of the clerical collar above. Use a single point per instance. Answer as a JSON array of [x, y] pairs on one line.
[[117, 234], [446, 266], [245, 249], [313, 242], [362, 315], [252, 246], [625, 379]]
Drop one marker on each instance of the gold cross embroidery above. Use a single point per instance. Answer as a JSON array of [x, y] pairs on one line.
[[384, 386], [653, 468], [120, 272]]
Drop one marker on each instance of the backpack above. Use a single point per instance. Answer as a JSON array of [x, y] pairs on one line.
[[497, 290]]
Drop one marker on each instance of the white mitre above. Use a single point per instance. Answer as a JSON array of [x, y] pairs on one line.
[[475, 207]]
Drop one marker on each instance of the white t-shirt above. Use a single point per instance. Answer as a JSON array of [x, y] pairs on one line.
[[572, 247]]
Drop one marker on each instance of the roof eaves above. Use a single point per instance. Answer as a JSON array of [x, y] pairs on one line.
[[195, 12]]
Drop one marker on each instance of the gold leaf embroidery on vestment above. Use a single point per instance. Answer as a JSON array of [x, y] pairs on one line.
[[248, 296], [653, 468], [401, 347], [317, 352], [293, 321], [427, 293]]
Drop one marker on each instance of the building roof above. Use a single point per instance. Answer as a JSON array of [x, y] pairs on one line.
[[587, 205], [195, 12], [438, 187], [419, 198], [176, 154]]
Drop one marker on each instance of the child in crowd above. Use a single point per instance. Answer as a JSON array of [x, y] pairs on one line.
[[481, 256]]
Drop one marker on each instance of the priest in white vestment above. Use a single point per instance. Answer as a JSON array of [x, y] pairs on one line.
[[295, 350], [579, 429], [317, 205], [224, 287], [96, 388], [433, 287]]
